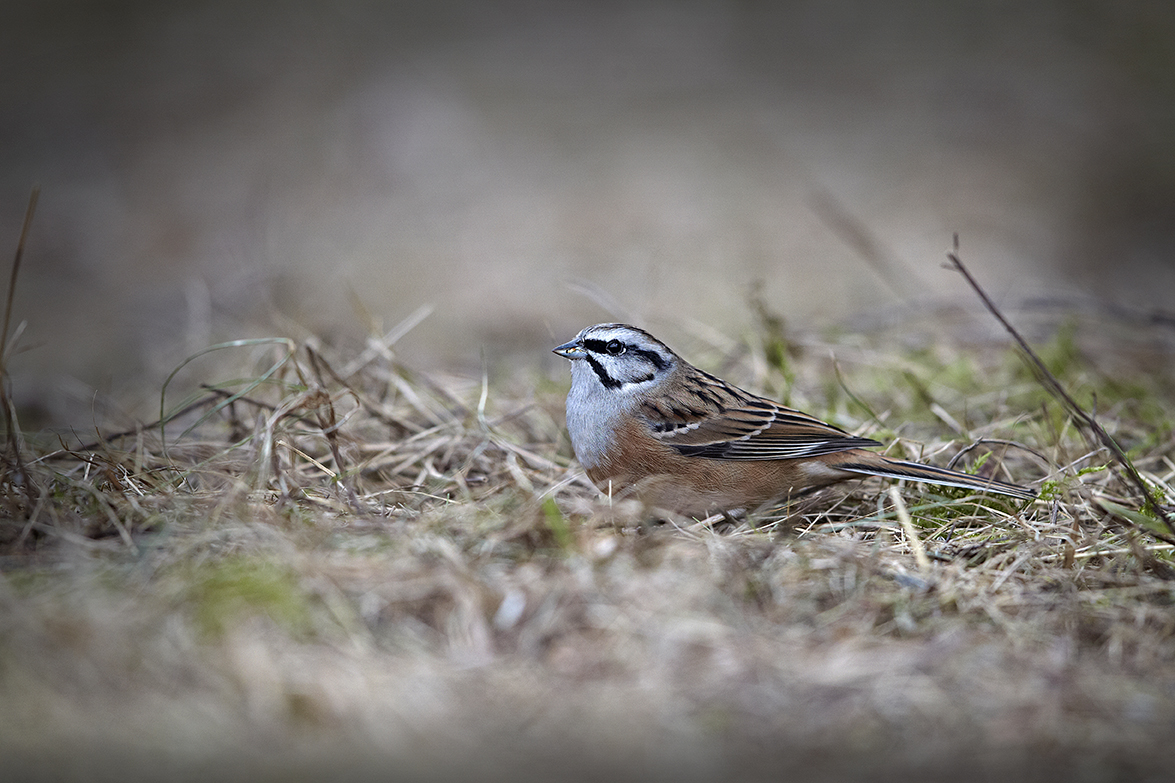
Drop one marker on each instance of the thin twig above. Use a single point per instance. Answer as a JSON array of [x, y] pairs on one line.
[[10, 421], [24, 234], [324, 411], [1053, 387]]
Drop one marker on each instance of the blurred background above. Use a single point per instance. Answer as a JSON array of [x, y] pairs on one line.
[[215, 169]]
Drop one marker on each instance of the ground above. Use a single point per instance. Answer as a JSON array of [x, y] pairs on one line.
[[336, 565]]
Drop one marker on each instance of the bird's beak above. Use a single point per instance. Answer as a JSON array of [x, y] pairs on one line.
[[571, 350]]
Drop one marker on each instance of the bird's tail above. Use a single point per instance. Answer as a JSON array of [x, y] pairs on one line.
[[871, 464]]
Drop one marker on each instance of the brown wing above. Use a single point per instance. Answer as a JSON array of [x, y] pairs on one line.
[[711, 418]]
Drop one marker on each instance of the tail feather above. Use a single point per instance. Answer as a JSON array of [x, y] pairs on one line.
[[897, 469]]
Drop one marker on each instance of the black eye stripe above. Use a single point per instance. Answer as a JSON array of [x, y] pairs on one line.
[[596, 345]]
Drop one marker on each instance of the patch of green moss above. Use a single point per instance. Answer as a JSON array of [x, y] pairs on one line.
[[225, 592], [557, 523]]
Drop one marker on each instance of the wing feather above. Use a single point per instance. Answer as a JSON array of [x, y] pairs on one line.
[[735, 424]]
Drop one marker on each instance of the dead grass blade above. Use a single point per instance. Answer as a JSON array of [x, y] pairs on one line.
[[11, 424], [254, 383]]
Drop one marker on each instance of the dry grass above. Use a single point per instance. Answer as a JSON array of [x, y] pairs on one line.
[[343, 567]]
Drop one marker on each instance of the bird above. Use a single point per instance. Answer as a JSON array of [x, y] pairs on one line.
[[645, 423]]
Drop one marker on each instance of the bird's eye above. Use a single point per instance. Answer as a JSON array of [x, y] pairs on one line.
[[614, 347]]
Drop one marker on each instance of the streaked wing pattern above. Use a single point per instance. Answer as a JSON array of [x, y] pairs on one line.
[[729, 423]]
